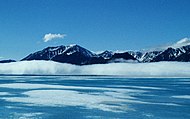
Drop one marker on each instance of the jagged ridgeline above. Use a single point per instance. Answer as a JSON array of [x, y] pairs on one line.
[[75, 54], [181, 54], [78, 55]]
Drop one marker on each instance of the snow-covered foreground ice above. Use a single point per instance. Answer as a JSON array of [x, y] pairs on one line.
[[158, 69], [94, 97]]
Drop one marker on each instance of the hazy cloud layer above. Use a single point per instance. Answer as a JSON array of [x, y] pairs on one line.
[[178, 44], [50, 36], [159, 69]]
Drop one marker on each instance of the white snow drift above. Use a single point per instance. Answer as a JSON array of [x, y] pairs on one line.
[[159, 69]]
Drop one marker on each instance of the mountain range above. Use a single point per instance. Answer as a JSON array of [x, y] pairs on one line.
[[75, 54], [181, 54]]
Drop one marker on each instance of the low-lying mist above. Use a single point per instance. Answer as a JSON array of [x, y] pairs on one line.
[[158, 69]]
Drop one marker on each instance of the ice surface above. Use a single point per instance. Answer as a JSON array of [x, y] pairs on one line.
[[60, 96], [182, 96], [49, 97], [4, 93], [40, 86]]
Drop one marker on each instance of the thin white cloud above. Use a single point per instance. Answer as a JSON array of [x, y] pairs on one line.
[[50, 36], [180, 43]]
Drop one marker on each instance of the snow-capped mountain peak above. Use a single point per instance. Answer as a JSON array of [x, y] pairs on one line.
[[76, 54], [106, 54]]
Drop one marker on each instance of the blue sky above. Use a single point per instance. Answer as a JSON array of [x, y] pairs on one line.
[[94, 24]]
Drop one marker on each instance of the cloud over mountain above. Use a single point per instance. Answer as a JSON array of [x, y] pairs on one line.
[[50, 36], [182, 42]]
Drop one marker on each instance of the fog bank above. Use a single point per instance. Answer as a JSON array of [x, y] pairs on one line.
[[158, 69]]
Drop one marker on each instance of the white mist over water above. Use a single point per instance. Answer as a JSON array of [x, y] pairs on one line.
[[158, 69]]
